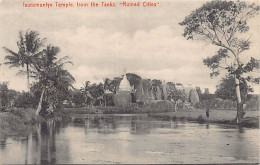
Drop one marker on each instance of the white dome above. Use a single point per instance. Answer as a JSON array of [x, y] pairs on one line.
[[125, 85]]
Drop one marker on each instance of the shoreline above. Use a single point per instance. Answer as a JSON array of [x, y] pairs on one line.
[[250, 120], [20, 121]]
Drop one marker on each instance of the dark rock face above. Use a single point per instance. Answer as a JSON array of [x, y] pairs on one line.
[[146, 91], [139, 94], [147, 86], [158, 93]]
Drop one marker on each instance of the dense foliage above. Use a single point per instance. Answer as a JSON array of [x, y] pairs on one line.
[[226, 89], [3, 96]]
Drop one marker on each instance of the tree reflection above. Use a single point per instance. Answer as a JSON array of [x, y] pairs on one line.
[[48, 147]]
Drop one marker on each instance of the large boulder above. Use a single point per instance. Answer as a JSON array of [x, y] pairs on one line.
[[147, 86], [139, 94], [158, 93], [194, 97]]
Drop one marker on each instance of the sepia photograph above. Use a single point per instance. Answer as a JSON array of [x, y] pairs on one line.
[[129, 81]]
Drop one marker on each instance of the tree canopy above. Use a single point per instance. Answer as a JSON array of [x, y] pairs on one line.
[[221, 23], [226, 89], [42, 64], [30, 47]]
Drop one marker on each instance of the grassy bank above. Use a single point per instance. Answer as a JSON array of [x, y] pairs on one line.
[[251, 119], [17, 121]]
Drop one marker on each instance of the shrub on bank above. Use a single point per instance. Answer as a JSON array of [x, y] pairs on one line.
[[11, 123], [27, 115], [17, 121], [217, 103], [253, 103], [160, 105]]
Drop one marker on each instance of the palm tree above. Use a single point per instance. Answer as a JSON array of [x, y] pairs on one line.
[[85, 91], [29, 49], [58, 85], [53, 79]]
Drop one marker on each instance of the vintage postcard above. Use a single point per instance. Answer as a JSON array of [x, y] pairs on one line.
[[129, 81]]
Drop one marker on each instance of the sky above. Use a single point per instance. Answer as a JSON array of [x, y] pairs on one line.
[[104, 41]]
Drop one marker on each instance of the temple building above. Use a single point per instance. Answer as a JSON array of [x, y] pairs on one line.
[[123, 96], [144, 90], [125, 85]]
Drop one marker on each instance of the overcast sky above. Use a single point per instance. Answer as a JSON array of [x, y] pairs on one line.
[[103, 41]]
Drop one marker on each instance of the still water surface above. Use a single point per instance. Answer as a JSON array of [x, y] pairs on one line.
[[97, 139]]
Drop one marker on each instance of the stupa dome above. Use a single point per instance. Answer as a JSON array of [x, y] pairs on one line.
[[125, 85]]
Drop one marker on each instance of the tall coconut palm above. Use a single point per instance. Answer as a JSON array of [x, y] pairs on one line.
[[29, 49], [53, 79]]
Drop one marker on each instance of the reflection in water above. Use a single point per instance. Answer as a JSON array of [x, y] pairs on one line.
[[48, 146], [130, 139], [2, 142]]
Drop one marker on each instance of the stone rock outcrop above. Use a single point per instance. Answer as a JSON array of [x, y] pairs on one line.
[[194, 97]]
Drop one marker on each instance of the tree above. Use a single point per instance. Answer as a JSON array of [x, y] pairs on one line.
[[226, 89], [85, 91], [220, 23], [177, 96], [3, 96], [29, 48], [173, 94], [78, 98], [106, 87], [26, 100], [206, 91], [170, 86], [115, 84], [97, 91], [133, 79], [156, 82], [54, 81]]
